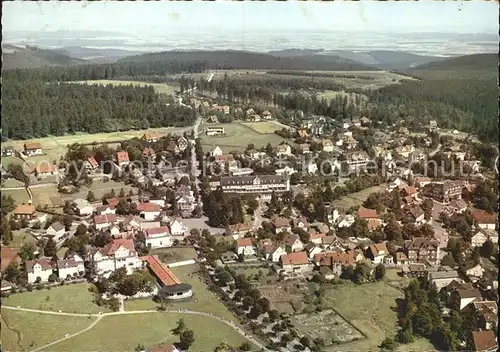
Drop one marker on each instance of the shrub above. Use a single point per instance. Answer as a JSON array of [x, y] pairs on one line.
[[29, 288]]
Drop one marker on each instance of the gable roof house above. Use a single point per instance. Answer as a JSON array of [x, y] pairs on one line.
[[239, 230], [91, 164], [151, 137], [377, 252], [484, 341], [158, 237], [105, 221], [122, 158], [422, 250], [293, 242], [484, 219], [119, 253], [25, 211], [487, 314], [295, 264], [71, 267], [244, 246], [281, 225], [149, 211], [34, 148], [461, 298], [39, 270], [56, 230], [148, 152]]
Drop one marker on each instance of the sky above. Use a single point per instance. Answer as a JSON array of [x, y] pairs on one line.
[[163, 18]]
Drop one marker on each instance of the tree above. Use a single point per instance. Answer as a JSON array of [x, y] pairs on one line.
[[388, 345], [487, 249], [27, 252], [305, 341], [12, 272], [91, 197], [7, 234], [422, 322], [52, 278], [255, 312], [379, 272], [245, 346], [186, 339], [347, 272], [273, 314], [50, 248], [181, 326]]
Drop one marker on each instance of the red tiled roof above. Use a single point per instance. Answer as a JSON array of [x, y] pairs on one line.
[[281, 222], [290, 239], [296, 258], [153, 207], [113, 246], [161, 271], [122, 156], [484, 340], [45, 168], [265, 242], [92, 161], [315, 236], [244, 242], [240, 227], [148, 152], [373, 224], [113, 201], [365, 213], [8, 256], [329, 258], [156, 231], [33, 145], [151, 135], [104, 219], [378, 247], [164, 347], [410, 190], [25, 209], [483, 217]]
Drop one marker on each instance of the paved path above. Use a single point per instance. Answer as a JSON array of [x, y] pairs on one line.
[[100, 316]]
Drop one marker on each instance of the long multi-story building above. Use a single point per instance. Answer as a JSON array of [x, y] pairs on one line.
[[422, 250], [258, 184], [446, 191]]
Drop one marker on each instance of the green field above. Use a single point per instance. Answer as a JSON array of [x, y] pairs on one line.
[[20, 195], [160, 88], [21, 237], [34, 329], [237, 137], [355, 199], [372, 313], [268, 276], [419, 345], [175, 254], [263, 127], [100, 188], [125, 332], [74, 298], [206, 301]]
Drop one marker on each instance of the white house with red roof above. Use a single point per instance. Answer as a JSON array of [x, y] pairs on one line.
[[105, 221], [90, 164], [122, 158], [177, 228], [39, 270], [149, 211], [245, 246], [119, 253], [105, 209], [296, 263], [158, 237]]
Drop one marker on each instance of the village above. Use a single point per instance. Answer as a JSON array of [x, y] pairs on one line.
[[274, 229]]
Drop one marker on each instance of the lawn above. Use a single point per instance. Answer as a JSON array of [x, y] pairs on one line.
[[21, 237], [20, 195], [172, 255], [418, 345], [37, 329], [355, 199], [125, 332], [267, 276], [160, 88], [12, 183], [264, 127], [206, 301], [238, 136], [74, 298], [100, 188], [372, 312], [11, 160]]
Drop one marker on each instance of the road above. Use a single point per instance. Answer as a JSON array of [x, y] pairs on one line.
[[100, 316], [257, 218]]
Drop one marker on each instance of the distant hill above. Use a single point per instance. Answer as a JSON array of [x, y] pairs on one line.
[[32, 57], [96, 55], [232, 59], [479, 62], [294, 52], [386, 59]]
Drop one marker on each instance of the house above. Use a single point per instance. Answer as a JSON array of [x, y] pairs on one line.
[[239, 230], [216, 151], [357, 160], [283, 149], [56, 230], [250, 112], [25, 211], [333, 215], [346, 221], [304, 148], [327, 145], [31, 149], [365, 121], [70, 267], [292, 242], [336, 260], [367, 214], [104, 221], [311, 167], [312, 250], [296, 263], [316, 238], [158, 237], [185, 204], [244, 246], [332, 242], [484, 219], [267, 115], [8, 151], [255, 184], [112, 201], [105, 209], [417, 214], [148, 152], [433, 125], [285, 171], [457, 206], [413, 270], [443, 278], [91, 164], [173, 148], [273, 252], [122, 158], [224, 109], [421, 182], [484, 341], [460, 298], [377, 252], [215, 131], [401, 259], [445, 191], [422, 250], [281, 225], [348, 142], [300, 222], [182, 143], [44, 169], [9, 255], [254, 118], [82, 207], [302, 132], [119, 253], [474, 270], [487, 314], [212, 119], [39, 270], [151, 137], [148, 211], [405, 150], [177, 228]]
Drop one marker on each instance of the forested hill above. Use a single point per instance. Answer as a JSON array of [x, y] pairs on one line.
[[231, 59], [32, 57], [476, 62]]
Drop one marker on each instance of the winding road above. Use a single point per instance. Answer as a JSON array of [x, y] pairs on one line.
[[100, 316]]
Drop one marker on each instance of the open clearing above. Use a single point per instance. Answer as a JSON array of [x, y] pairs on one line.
[[355, 199], [125, 332], [265, 274], [237, 137], [175, 254], [100, 188], [70, 298], [203, 300], [283, 296], [21, 237], [372, 312], [262, 126], [37, 329], [419, 345], [160, 88]]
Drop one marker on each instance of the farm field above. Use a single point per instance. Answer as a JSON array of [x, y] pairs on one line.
[[266, 275], [70, 298], [206, 301], [372, 314], [125, 332], [262, 127], [160, 88], [20, 195], [36, 330], [355, 199], [11, 160], [175, 254], [237, 137]]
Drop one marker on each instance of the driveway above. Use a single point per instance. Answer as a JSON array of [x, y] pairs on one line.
[[201, 224]]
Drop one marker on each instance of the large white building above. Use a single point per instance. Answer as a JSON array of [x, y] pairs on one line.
[[120, 253], [70, 267], [39, 270], [259, 184], [149, 211], [158, 237]]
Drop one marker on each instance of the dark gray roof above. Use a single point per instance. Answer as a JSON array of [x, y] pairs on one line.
[[248, 180], [57, 226], [176, 288]]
